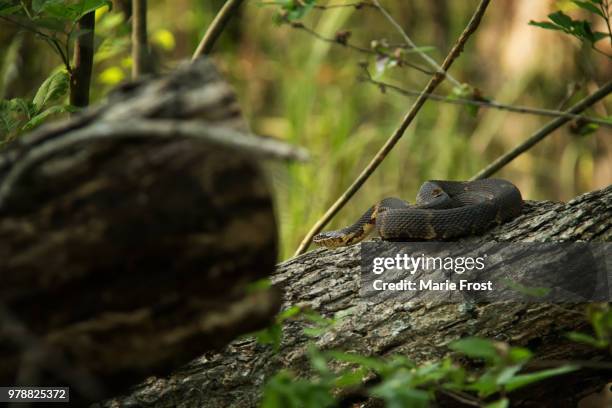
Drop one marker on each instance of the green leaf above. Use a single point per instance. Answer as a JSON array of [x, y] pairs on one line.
[[526, 379], [7, 120], [41, 117], [476, 348], [288, 313], [19, 105], [398, 394], [586, 339], [53, 88], [486, 384], [519, 354], [599, 35], [318, 361], [39, 5], [502, 403], [272, 335], [533, 291], [51, 23], [370, 363], [88, 6], [295, 9], [8, 7], [583, 30], [73, 12], [561, 19], [589, 6], [546, 25], [350, 378], [284, 390]]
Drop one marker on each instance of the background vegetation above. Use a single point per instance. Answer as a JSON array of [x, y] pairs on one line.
[[299, 88]]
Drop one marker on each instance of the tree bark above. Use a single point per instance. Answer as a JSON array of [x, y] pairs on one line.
[[328, 281], [125, 254], [80, 77]]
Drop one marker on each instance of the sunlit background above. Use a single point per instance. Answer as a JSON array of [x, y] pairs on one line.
[[295, 87]]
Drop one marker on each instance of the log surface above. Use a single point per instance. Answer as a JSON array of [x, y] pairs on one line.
[[328, 281]]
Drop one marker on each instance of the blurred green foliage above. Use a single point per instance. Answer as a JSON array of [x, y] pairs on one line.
[[308, 91], [401, 383], [480, 371]]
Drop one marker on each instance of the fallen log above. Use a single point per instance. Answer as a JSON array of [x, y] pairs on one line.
[[328, 281]]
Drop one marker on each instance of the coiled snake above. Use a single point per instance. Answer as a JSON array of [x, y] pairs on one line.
[[443, 209]]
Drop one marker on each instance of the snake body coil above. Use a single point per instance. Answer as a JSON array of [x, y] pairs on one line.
[[443, 209]]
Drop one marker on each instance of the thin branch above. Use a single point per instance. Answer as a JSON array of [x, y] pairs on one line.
[[488, 103], [340, 40], [51, 40], [399, 132], [140, 44], [80, 77], [216, 28], [25, 8], [357, 5], [605, 8], [594, 48], [460, 396], [412, 45], [492, 168]]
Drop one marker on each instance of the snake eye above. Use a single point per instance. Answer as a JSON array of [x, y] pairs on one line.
[[436, 192]]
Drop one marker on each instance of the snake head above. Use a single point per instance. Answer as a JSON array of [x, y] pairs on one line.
[[330, 239]]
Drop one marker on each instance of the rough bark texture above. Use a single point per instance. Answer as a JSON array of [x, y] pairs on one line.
[[328, 282], [123, 257]]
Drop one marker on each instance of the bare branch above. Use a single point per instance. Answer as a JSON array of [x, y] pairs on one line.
[[140, 46], [601, 93], [412, 45], [80, 77], [363, 50], [488, 103], [357, 5], [216, 28], [399, 132]]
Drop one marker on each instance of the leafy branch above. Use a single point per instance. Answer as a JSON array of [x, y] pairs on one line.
[[400, 382], [60, 24], [581, 29]]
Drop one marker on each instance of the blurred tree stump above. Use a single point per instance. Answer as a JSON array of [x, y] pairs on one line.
[[129, 236], [328, 282]]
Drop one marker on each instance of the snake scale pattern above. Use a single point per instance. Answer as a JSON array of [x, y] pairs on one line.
[[444, 209]]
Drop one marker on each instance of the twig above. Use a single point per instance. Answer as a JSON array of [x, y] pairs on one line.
[[500, 162], [460, 396], [51, 40], [605, 8], [489, 104], [363, 50], [140, 45], [80, 77], [161, 129], [358, 5], [216, 28], [412, 45], [395, 137]]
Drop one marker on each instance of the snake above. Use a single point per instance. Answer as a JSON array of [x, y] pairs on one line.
[[444, 209]]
